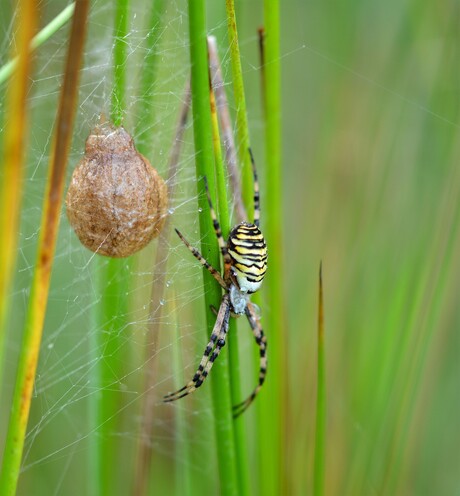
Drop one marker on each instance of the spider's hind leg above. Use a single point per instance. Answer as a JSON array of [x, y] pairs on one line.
[[261, 340], [215, 345], [218, 231], [202, 260]]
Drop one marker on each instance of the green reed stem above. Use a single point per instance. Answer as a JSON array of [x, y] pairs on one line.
[[320, 438], [242, 128], [113, 282], [33, 330], [232, 339], [149, 74], [184, 447], [12, 166], [52, 27], [202, 127], [273, 461], [121, 32]]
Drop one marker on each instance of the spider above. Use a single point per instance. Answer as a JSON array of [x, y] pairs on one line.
[[245, 264]]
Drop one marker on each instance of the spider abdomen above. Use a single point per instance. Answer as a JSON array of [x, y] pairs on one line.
[[248, 252]]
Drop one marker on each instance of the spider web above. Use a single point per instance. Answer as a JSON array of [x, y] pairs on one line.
[[368, 187], [60, 428]]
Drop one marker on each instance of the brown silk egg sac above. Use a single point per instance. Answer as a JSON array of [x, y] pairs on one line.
[[116, 201]]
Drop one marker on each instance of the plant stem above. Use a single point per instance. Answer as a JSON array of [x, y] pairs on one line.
[[145, 452], [205, 167], [184, 448], [233, 362], [144, 127], [13, 166], [148, 77], [320, 438], [113, 282], [45, 34], [242, 127], [273, 461], [119, 61], [226, 128], [46, 247]]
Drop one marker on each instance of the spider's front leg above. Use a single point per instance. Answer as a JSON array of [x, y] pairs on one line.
[[261, 340], [215, 344]]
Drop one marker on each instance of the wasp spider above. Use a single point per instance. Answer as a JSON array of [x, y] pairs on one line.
[[245, 264]]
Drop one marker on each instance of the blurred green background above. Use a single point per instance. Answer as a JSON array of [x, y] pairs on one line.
[[371, 186]]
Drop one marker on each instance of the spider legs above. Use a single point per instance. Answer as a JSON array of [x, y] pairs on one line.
[[218, 231], [220, 240], [261, 340], [202, 260], [211, 352]]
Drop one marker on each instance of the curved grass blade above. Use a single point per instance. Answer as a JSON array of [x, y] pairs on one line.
[[113, 276], [46, 247], [12, 170], [205, 167], [144, 455], [242, 127], [274, 459], [43, 35], [320, 438]]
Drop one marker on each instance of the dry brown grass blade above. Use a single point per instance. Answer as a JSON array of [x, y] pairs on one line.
[[47, 243], [228, 139], [13, 160], [144, 456]]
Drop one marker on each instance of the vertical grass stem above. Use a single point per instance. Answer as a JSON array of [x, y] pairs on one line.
[[205, 167], [47, 241]]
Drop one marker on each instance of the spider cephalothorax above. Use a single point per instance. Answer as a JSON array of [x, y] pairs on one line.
[[245, 264]]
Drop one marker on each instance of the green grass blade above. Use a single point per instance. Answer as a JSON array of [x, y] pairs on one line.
[[43, 35], [242, 128], [274, 462], [183, 445], [121, 32], [320, 437], [233, 361], [144, 128], [149, 76], [144, 449], [113, 277], [47, 241], [205, 167], [12, 167]]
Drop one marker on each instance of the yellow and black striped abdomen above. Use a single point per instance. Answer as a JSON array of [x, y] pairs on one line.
[[248, 251]]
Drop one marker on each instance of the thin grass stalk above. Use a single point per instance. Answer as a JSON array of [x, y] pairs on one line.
[[246, 198], [144, 456], [143, 128], [242, 128], [149, 73], [233, 360], [46, 246], [119, 61], [427, 314], [274, 462], [113, 276], [212, 291], [12, 171], [184, 448], [228, 139], [263, 83], [320, 434], [43, 35]]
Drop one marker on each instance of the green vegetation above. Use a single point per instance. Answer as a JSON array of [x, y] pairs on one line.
[[363, 96]]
